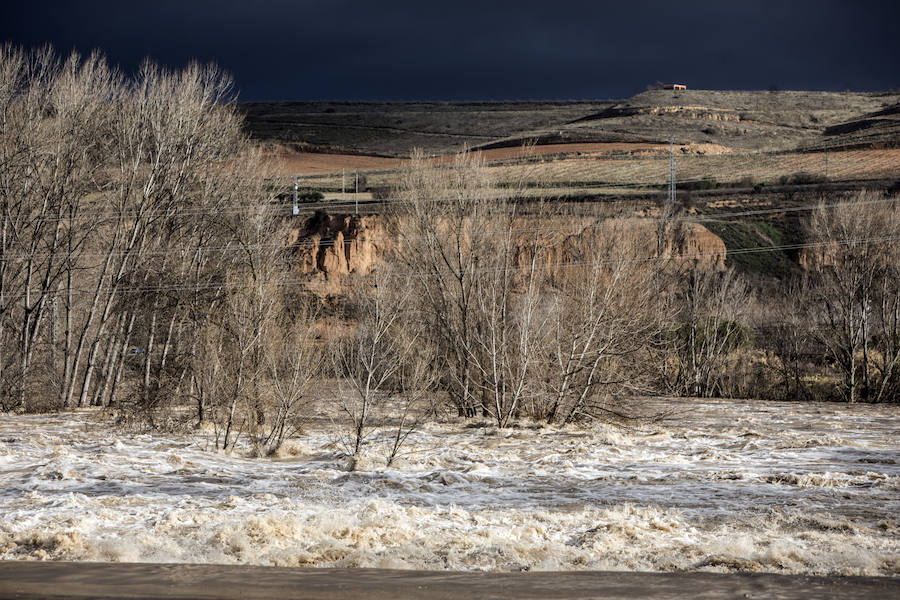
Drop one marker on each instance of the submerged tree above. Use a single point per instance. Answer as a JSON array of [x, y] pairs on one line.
[[474, 265], [137, 233], [856, 285], [707, 330], [605, 316], [370, 359]]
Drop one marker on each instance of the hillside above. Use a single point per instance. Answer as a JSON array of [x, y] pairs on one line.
[[763, 121], [734, 151], [746, 120], [392, 129]]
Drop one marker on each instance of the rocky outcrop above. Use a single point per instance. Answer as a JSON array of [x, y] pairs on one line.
[[689, 111], [329, 248], [697, 112]]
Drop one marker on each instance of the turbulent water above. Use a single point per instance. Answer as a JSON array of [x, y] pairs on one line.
[[720, 486]]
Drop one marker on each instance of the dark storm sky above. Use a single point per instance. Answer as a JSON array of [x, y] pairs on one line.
[[484, 50]]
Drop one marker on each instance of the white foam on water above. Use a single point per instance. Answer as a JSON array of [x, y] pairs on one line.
[[729, 486]]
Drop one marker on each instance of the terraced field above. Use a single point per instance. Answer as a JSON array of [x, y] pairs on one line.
[[760, 167], [287, 161], [609, 170]]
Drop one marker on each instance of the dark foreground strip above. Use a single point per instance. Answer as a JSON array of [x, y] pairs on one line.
[[52, 580]]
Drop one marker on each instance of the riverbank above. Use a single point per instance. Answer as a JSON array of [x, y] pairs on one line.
[[70, 580]]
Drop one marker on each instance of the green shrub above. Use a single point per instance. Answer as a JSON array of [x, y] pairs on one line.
[[802, 178], [310, 196]]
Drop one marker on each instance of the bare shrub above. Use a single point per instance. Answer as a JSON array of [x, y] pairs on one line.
[[369, 360]]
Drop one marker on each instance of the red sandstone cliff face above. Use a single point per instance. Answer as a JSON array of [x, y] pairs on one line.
[[329, 248]]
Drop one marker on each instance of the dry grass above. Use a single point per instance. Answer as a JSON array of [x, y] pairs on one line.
[[761, 167]]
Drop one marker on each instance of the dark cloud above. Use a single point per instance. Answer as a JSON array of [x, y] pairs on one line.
[[464, 49]]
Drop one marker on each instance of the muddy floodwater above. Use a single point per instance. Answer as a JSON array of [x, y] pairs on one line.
[[720, 486]]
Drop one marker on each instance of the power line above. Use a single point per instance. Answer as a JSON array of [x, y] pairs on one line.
[[502, 269], [741, 164], [237, 247], [293, 207]]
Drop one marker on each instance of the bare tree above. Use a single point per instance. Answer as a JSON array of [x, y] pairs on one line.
[[495, 292], [171, 135], [708, 329], [887, 326], [605, 317], [369, 360], [790, 330], [444, 222], [135, 218], [475, 265], [855, 284], [247, 316], [51, 152]]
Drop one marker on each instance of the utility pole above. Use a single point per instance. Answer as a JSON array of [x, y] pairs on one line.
[[296, 209], [342, 185], [356, 195]]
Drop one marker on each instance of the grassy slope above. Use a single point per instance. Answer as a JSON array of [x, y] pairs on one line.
[[754, 234]]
